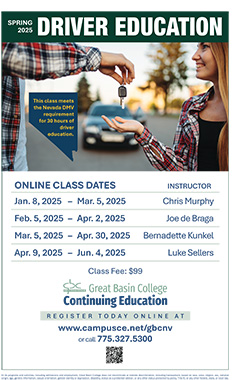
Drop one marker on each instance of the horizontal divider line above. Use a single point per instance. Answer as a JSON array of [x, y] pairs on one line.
[[80, 244], [117, 261], [115, 192], [115, 209], [101, 226]]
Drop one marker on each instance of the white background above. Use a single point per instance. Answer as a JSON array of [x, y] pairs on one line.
[[198, 287], [232, 7]]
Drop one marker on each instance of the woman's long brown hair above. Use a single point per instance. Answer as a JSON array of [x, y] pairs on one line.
[[220, 53]]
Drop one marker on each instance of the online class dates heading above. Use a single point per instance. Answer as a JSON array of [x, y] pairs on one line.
[[67, 185], [115, 26]]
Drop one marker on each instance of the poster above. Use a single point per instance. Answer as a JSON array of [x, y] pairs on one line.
[[111, 269]]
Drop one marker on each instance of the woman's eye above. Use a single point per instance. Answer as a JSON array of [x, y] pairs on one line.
[[205, 46]]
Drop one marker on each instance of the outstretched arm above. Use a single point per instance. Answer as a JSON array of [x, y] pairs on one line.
[[54, 60], [159, 155], [33, 60]]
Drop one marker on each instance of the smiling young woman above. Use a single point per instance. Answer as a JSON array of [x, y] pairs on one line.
[[212, 65], [220, 53], [201, 139]]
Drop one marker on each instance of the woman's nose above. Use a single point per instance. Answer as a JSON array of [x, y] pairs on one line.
[[196, 56]]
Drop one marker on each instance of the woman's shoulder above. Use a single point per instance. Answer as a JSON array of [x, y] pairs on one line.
[[197, 99]]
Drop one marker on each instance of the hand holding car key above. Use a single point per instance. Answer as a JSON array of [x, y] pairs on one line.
[[122, 93]]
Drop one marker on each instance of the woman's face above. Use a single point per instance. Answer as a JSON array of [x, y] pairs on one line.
[[206, 66]]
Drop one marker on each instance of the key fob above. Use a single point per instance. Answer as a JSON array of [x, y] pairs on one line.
[[122, 93]]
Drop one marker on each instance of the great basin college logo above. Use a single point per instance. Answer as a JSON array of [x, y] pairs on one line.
[[69, 287]]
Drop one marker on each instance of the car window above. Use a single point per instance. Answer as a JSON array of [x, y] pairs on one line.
[[110, 111]]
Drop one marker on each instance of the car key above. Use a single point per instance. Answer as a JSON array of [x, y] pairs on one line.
[[122, 93]]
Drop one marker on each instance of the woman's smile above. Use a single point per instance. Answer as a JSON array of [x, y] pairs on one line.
[[199, 65], [206, 67]]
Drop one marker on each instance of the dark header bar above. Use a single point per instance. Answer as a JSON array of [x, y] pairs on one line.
[[114, 26]]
